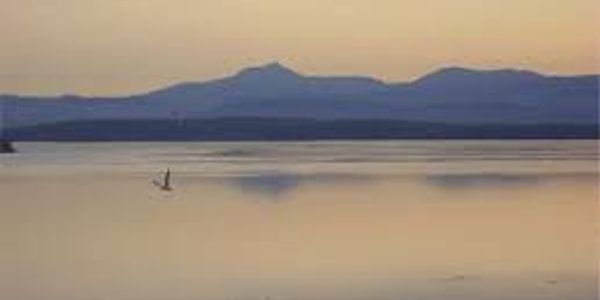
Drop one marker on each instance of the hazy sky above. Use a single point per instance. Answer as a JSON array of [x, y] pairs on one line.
[[126, 46]]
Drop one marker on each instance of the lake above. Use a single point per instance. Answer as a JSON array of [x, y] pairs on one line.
[[429, 220]]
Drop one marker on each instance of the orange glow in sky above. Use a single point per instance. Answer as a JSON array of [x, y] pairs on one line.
[[106, 47]]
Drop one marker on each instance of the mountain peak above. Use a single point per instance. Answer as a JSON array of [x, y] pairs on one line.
[[275, 66], [270, 70], [459, 75]]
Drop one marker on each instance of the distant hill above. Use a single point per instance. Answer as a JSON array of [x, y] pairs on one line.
[[450, 96]]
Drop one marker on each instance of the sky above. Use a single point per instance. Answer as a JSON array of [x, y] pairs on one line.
[[119, 47]]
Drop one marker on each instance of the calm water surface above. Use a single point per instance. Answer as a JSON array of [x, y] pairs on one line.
[[324, 221]]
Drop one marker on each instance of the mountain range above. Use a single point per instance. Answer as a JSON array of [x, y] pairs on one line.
[[450, 95]]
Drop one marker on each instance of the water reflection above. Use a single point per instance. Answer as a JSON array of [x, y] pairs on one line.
[[506, 180], [270, 185], [275, 185], [462, 181], [331, 238], [476, 230]]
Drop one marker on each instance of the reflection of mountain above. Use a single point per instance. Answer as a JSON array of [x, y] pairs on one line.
[[273, 185], [500, 180], [273, 91]]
